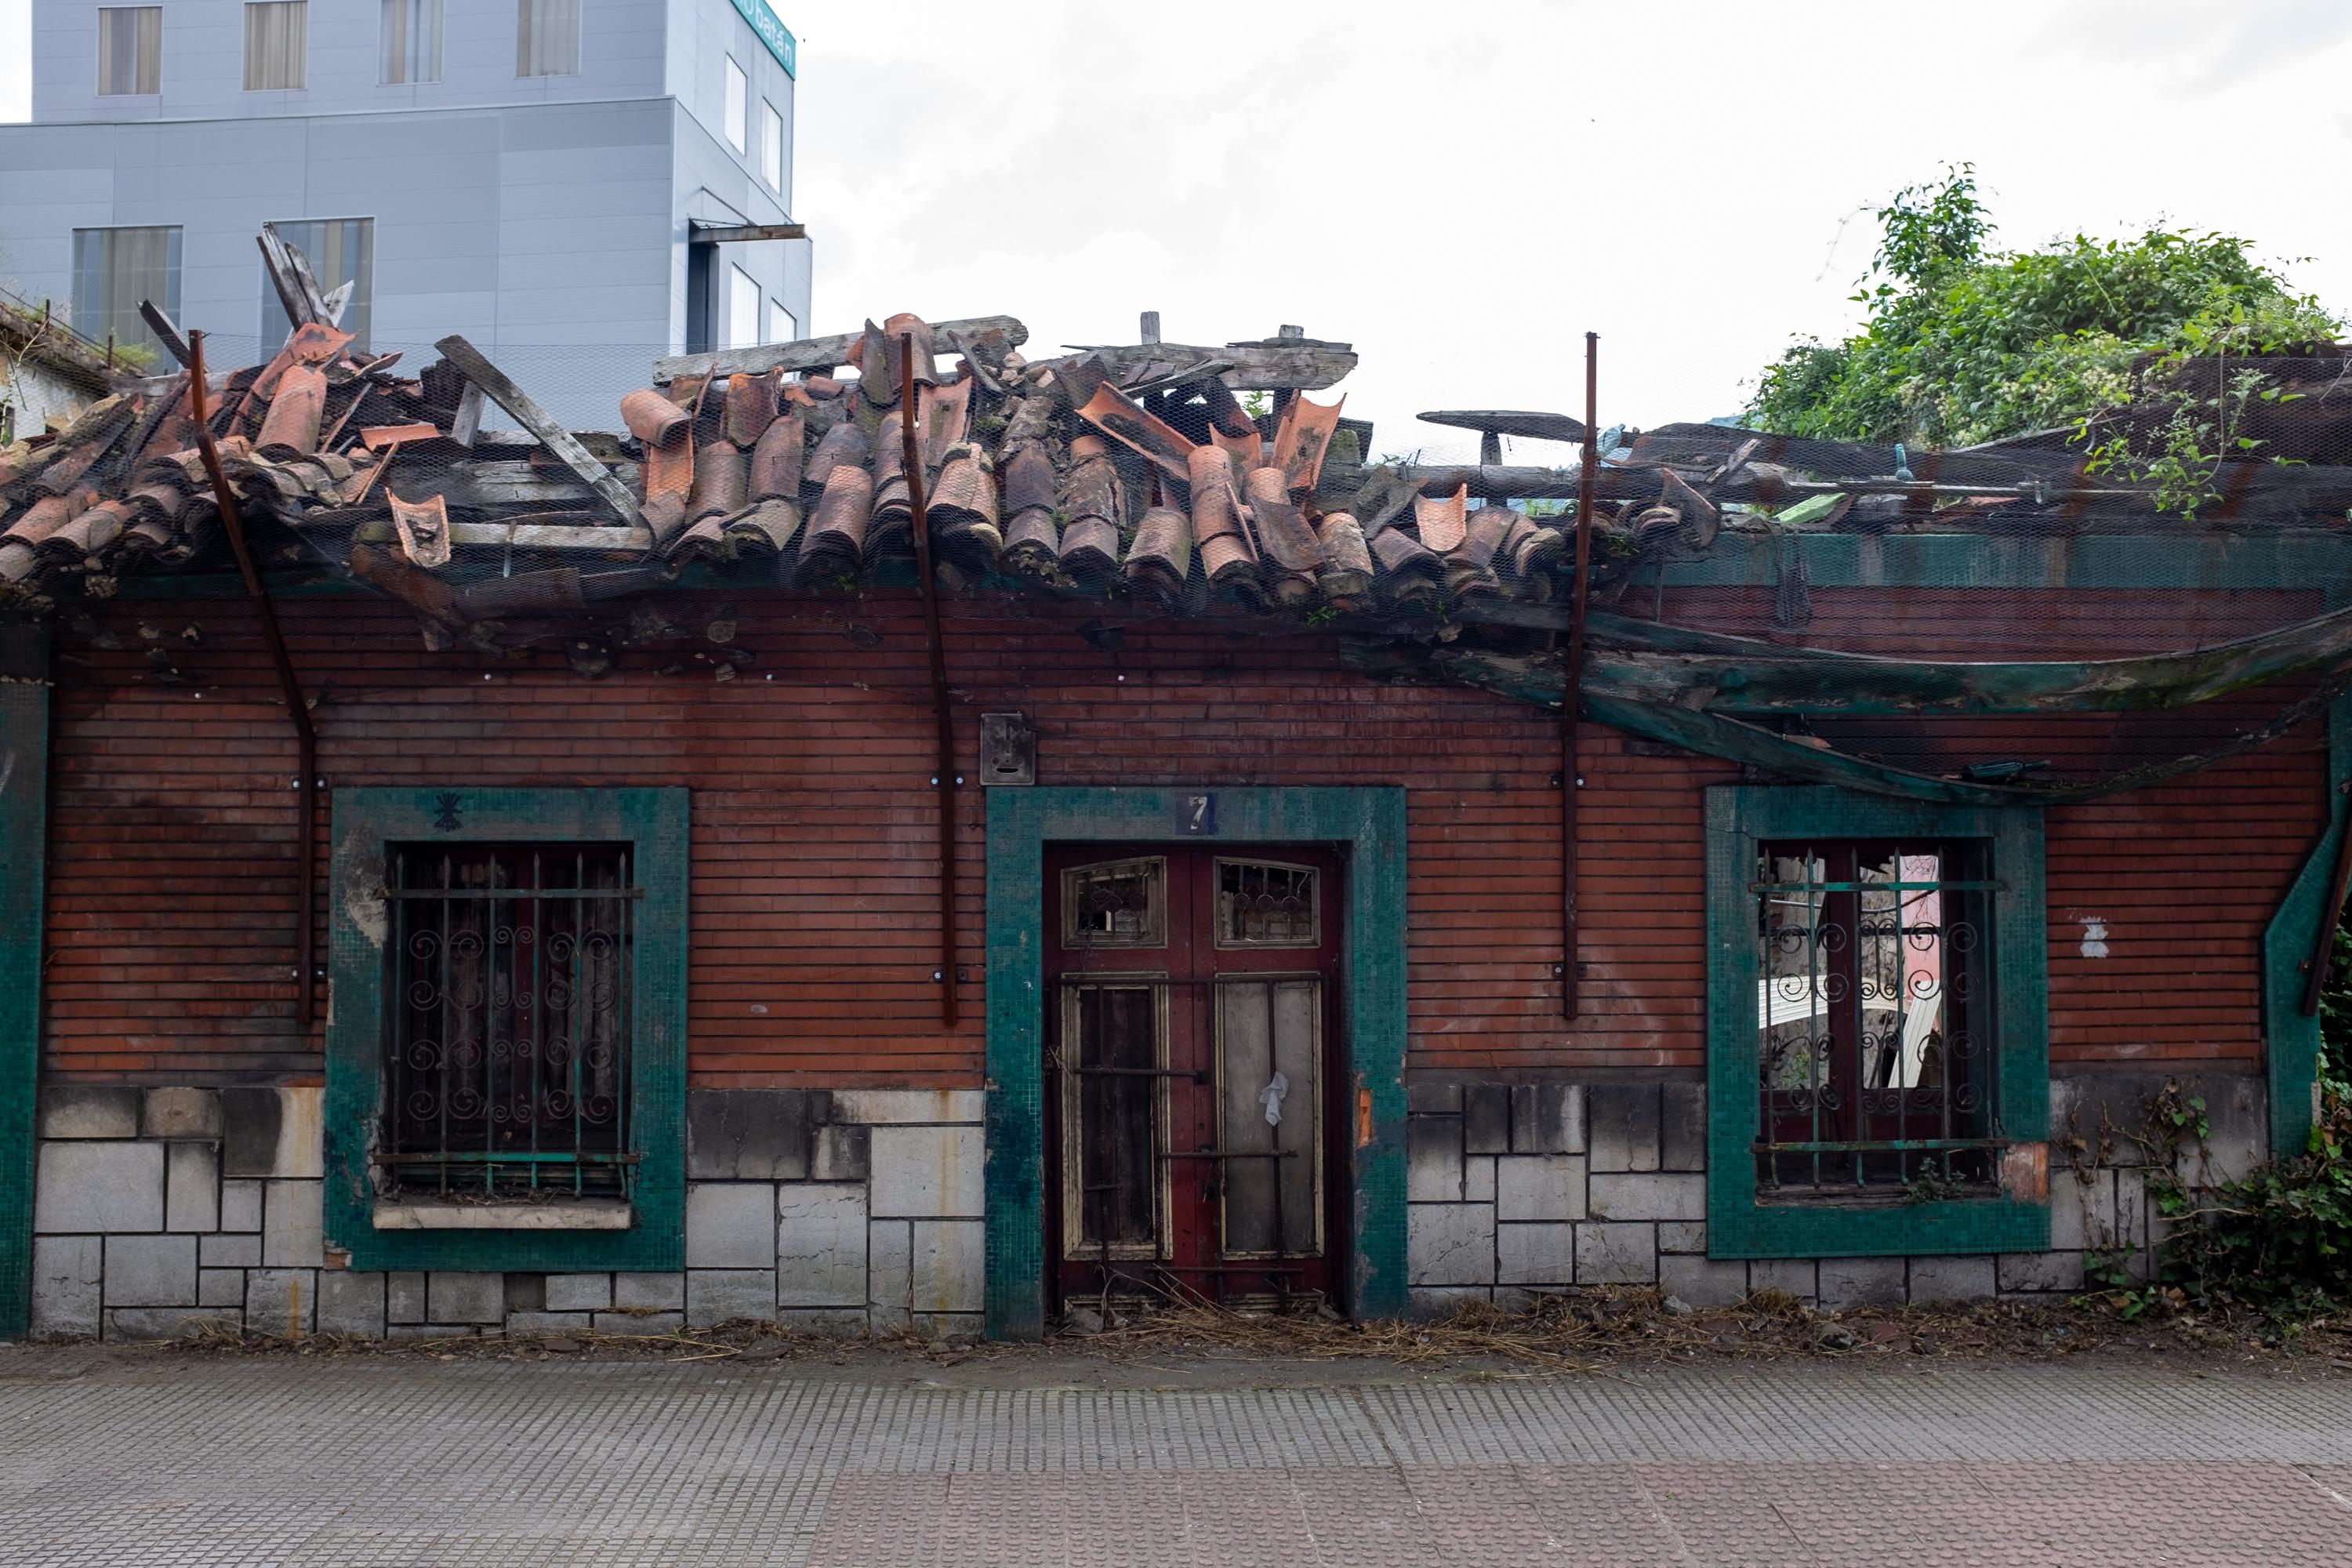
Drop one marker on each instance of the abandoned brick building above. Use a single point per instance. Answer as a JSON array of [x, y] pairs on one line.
[[621, 906]]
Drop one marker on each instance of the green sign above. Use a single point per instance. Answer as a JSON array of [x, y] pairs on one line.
[[772, 33]]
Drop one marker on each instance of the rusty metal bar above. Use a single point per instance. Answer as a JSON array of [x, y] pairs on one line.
[[2323, 942], [306, 737], [911, 456], [1572, 691]]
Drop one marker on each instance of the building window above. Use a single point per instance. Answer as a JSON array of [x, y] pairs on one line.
[[737, 96], [114, 269], [1875, 1018], [409, 42], [547, 38], [509, 1026], [742, 309], [771, 147], [341, 251], [784, 327], [1878, 1065], [277, 36], [130, 49], [507, 1049]]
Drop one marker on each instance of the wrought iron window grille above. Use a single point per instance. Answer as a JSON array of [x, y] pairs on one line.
[[1876, 1020], [507, 1050]]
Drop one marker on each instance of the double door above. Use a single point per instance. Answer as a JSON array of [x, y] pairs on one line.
[[1192, 1055]]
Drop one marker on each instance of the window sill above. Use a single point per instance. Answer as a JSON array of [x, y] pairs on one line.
[[612, 1214]]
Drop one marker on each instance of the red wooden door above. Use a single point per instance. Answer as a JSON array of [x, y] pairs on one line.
[[1192, 1064]]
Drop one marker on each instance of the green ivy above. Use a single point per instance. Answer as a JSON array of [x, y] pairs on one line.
[[1965, 344]]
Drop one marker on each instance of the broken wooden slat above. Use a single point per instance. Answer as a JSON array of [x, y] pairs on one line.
[[817, 353], [1256, 367], [599, 538], [289, 275], [1527, 423], [376, 437], [557, 439]]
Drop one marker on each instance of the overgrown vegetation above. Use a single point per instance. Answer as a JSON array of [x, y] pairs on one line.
[[2281, 1238], [1965, 344]]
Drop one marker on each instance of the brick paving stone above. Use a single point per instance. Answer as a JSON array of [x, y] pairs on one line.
[[156, 1457]]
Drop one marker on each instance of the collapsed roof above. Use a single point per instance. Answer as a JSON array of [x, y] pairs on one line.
[[1137, 473]]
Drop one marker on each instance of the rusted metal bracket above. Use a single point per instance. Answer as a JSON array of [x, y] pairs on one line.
[[911, 457], [1572, 688], [306, 737]]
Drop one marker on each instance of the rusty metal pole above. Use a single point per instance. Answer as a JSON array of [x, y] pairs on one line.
[[911, 457], [1571, 695], [289, 685]]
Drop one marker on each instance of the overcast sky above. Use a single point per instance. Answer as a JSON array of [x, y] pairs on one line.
[[1461, 189]]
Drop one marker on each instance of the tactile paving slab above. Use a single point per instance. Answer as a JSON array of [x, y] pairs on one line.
[[393, 1462]]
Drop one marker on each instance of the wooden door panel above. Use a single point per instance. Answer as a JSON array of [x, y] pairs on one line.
[[1186, 984], [1269, 1050]]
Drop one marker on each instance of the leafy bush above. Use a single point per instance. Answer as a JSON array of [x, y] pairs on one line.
[[1967, 344], [2281, 1239]]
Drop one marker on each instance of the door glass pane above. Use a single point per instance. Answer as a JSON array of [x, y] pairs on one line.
[[1266, 904], [1120, 903], [1269, 1050], [1113, 1042]]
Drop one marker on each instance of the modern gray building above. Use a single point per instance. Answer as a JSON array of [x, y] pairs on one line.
[[539, 175]]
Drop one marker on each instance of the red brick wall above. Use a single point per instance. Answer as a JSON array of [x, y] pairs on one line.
[[171, 908]]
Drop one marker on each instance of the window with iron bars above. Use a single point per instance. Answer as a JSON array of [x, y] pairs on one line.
[[506, 1058], [1875, 1061]]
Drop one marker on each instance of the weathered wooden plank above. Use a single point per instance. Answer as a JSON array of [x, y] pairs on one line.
[[819, 353], [600, 538], [1710, 671], [1255, 367], [289, 273], [557, 439]]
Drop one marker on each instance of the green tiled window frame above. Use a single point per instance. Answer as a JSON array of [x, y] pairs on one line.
[[1739, 819], [1369, 824], [654, 822]]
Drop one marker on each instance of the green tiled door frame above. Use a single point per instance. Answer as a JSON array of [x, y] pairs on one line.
[[655, 822], [1739, 817], [1369, 824], [24, 850]]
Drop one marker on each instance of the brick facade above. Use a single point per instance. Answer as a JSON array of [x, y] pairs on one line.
[[813, 941], [1543, 1152]]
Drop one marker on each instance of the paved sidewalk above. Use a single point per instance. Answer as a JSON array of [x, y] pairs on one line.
[[162, 1458]]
